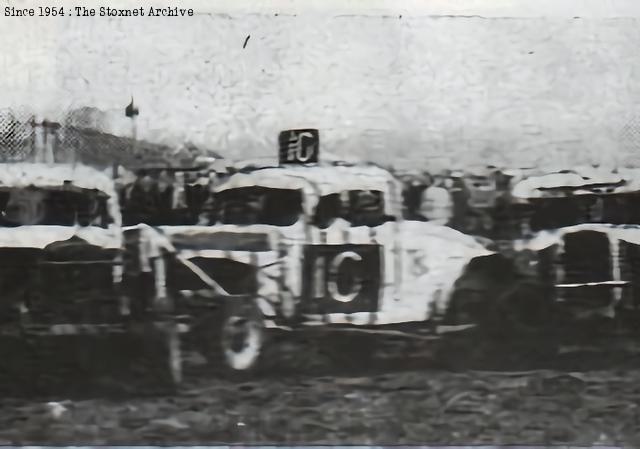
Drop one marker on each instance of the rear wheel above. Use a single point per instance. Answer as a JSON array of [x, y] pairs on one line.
[[468, 306], [521, 322], [471, 348], [514, 328], [523, 308]]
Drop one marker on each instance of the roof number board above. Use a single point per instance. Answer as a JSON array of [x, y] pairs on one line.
[[299, 146]]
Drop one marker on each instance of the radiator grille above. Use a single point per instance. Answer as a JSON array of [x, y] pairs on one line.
[[587, 258], [61, 292], [70, 293], [630, 271]]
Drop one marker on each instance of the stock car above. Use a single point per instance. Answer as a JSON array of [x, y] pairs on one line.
[[307, 244], [579, 242], [61, 268]]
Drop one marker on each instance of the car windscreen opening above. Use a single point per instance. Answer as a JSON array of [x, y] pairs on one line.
[[358, 207], [616, 209], [32, 206], [258, 205]]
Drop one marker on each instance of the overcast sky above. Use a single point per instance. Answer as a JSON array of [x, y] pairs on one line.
[[500, 81]]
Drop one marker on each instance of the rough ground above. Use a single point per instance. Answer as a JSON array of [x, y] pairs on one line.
[[580, 399]]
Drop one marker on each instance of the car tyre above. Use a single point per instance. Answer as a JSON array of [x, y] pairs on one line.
[[522, 308], [233, 338], [521, 323]]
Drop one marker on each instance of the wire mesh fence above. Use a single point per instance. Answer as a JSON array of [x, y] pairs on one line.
[[17, 135], [78, 135], [25, 137], [630, 141]]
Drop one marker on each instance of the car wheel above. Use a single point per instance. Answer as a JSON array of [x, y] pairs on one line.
[[467, 306], [522, 308], [514, 328], [241, 338], [521, 322], [233, 338]]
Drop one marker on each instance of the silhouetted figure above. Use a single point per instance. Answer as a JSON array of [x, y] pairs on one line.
[[412, 197], [165, 207], [142, 201]]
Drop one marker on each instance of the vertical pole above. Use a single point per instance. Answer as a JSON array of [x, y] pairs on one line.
[[34, 137], [134, 132], [114, 169], [39, 139], [130, 111], [51, 133], [45, 143]]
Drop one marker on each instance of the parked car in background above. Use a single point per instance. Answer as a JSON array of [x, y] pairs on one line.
[[61, 265], [579, 240]]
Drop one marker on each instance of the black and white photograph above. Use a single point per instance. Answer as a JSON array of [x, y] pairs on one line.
[[305, 222]]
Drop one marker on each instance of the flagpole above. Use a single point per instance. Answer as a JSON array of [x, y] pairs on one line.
[[130, 111], [134, 134]]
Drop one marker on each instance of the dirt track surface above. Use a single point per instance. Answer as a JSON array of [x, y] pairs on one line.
[[417, 406]]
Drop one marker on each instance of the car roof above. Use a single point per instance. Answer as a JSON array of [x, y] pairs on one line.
[[54, 175], [321, 179], [580, 181]]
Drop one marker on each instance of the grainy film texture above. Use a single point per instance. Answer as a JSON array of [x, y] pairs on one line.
[[312, 224]]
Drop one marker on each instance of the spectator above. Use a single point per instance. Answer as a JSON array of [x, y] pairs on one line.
[[436, 205], [412, 196], [460, 197], [142, 200], [166, 187]]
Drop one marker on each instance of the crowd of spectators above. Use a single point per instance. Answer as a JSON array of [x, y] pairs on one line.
[[475, 203], [471, 202], [165, 197]]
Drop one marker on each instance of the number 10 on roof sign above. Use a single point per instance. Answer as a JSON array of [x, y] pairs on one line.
[[299, 146]]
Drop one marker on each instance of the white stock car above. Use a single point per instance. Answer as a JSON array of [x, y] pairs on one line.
[[322, 245]]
